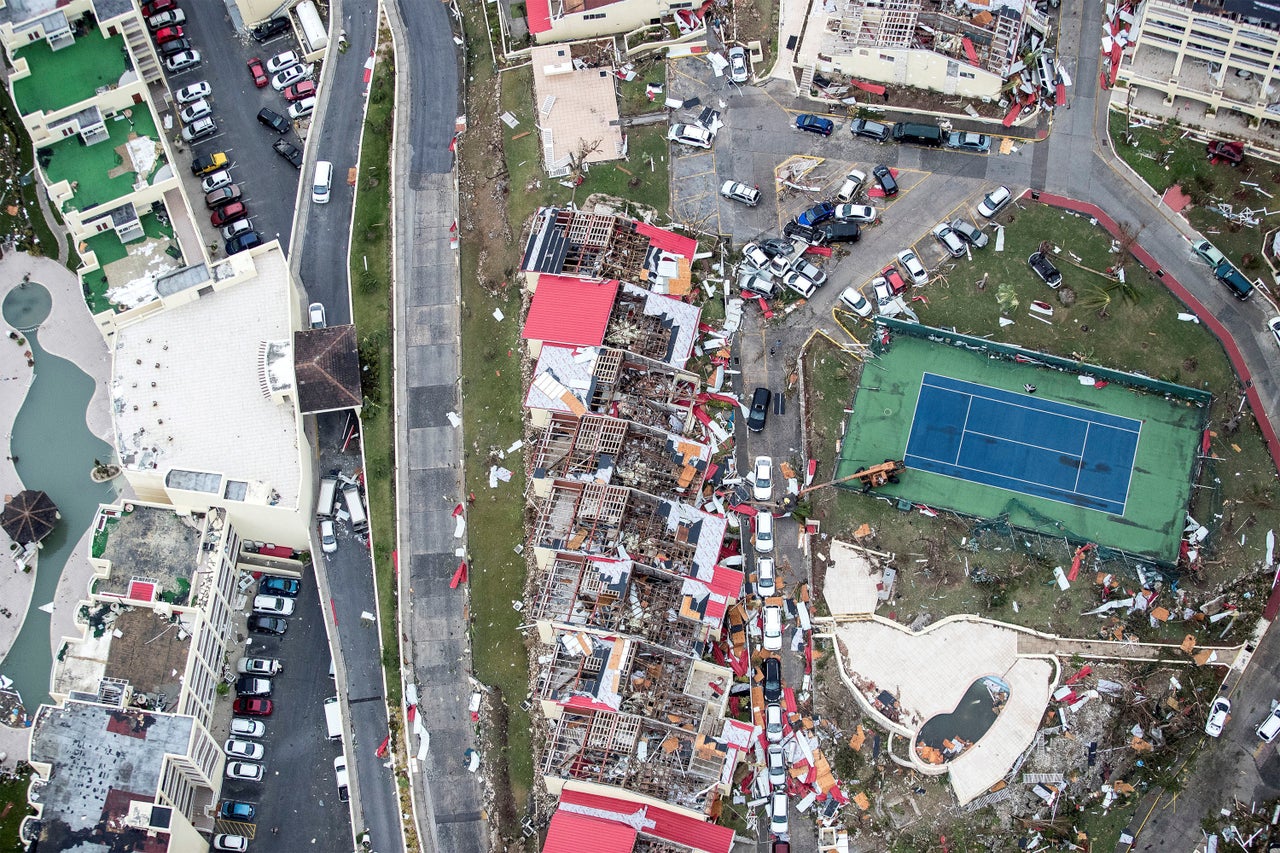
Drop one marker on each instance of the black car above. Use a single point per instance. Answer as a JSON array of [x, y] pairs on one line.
[[251, 685], [240, 242], [236, 810], [260, 623], [288, 152], [885, 177], [1044, 268], [273, 120], [269, 29], [169, 48], [812, 236], [771, 669], [759, 409], [840, 232], [870, 129]]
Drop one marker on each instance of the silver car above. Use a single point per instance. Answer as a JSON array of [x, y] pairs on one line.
[[949, 239], [810, 271], [738, 191], [273, 605], [739, 66], [972, 235], [693, 135], [915, 269]]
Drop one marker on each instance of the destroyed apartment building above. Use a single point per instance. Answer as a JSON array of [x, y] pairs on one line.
[[969, 48]]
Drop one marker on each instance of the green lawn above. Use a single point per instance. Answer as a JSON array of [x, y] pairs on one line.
[[100, 173], [13, 805], [632, 100], [61, 78]]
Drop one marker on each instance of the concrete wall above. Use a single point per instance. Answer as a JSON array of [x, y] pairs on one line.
[[923, 69], [618, 17]]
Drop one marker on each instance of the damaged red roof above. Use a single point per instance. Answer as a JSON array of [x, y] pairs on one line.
[[571, 832], [570, 311], [658, 822]]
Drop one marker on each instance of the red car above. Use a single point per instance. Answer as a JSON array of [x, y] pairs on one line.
[[259, 75], [227, 214], [298, 91], [168, 34], [894, 278], [155, 7], [246, 707]]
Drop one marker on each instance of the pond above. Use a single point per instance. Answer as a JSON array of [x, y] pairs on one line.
[[946, 736]]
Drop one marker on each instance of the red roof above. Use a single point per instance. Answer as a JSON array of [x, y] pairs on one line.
[[539, 15], [659, 823], [726, 581], [572, 833], [570, 311], [668, 241]]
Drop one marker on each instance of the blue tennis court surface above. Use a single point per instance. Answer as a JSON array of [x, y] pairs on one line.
[[1022, 443]]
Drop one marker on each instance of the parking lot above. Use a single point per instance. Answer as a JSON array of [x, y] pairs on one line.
[[297, 802], [267, 181]]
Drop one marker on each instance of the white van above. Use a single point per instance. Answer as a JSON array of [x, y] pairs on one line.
[[333, 718], [320, 185], [359, 521], [328, 493]]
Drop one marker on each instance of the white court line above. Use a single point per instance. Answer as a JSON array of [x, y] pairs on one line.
[[1034, 408], [1028, 494], [1083, 447]]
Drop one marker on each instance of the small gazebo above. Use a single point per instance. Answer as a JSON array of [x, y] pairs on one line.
[[29, 517]]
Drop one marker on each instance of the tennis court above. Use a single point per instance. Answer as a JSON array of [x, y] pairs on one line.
[[1023, 443]]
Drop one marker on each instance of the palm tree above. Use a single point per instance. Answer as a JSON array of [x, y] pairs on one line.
[[1097, 299]]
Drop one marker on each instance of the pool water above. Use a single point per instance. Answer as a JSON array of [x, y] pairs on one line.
[[946, 736], [27, 306]]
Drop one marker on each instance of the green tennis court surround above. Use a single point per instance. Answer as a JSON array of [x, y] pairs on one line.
[[1091, 454]]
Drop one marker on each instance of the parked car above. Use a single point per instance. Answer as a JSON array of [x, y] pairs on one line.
[[772, 623], [273, 120], [881, 289], [766, 577], [800, 284], [777, 763], [805, 233], [1270, 726], [950, 240], [1240, 287], [1218, 714], [819, 213], [315, 315], [302, 108], [235, 229], [243, 749], [754, 255], [269, 29], [207, 163], [155, 7], [252, 707], [814, 124], [777, 245], [164, 35], [288, 152], [894, 279], [759, 412], [228, 214], [739, 67], [281, 61], [840, 232], [887, 182], [287, 587], [257, 72], [915, 269], [291, 75], [328, 540], [192, 93], [175, 47], [199, 129], [694, 135], [1208, 253], [753, 282], [809, 270], [274, 605], [241, 727], [971, 234], [1273, 325], [245, 770], [870, 129], [240, 242], [263, 667], [182, 61], [764, 533], [261, 623], [762, 479], [221, 197], [216, 181], [236, 810], [851, 186], [248, 685], [994, 201], [738, 191], [198, 109], [298, 91], [167, 19], [778, 813], [771, 676], [978, 143], [856, 213], [1043, 267], [233, 843], [780, 265], [773, 728], [853, 299]]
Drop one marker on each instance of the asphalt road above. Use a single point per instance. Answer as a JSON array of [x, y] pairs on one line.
[[298, 795], [267, 181]]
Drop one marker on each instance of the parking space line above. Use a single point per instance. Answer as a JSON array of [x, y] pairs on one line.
[[697, 174]]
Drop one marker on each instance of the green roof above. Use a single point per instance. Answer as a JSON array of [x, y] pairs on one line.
[[100, 173], [65, 77]]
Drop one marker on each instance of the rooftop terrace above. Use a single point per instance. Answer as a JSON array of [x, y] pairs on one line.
[[61, 78], [153, 553], [102, 173], [149, 655], [128, 270]]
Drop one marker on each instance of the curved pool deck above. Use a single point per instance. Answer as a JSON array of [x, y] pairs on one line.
[[68, 332]]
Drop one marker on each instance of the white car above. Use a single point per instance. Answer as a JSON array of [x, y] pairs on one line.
[[772, 620], [950, 240], [853, 299], [781, 264], [738, 191], [880, 287], [1270, 727], [328, 541], [291, 75], [198, 109], [315, 315], [690, 134], [245, 770], [303, 108], [1218, 713], [273, 605], [800, 284], [235, 229], [265, 667], [856, 213], [199, 129], [1208, 253], [241, 727], [994, 201], [281, 61], [762, 481], [777, 766], [764, 532], [167, 19], [778, 813], [194, 92], [754, 255], [234, 843], [915, 269], [216, 181], [851, 186], [766, 577], [182, 60], [773, 722], [1274, 326], [739, 67], [236, 748]]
